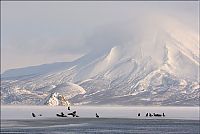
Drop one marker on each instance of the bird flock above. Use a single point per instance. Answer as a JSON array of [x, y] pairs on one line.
[[154, 114], [73, 114]]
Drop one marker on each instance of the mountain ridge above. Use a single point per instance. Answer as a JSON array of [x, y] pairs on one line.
[[160, 67]]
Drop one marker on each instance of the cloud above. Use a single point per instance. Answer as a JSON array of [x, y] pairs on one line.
[[53, 30]]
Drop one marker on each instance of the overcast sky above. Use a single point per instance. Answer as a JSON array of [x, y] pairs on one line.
[[34, 33]]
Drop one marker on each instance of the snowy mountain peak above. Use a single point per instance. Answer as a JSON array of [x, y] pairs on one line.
[[114, 55], [151, 63]]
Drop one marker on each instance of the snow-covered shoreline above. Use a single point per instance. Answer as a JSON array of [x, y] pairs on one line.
[[9, 112]]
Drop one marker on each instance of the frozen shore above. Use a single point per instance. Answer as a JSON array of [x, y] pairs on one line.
[[18, 119], [24, 112]]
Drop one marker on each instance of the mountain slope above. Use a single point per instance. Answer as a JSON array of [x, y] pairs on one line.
[[159, 67]]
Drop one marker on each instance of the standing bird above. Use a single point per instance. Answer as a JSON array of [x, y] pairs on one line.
[[146, 114], [157, 115], [62, 114], [163, 114], [73, 114], [97, 115], [138, 114], [68, 108], [33, 115]]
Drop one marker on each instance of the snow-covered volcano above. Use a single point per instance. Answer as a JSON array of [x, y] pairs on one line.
[[154, 64]]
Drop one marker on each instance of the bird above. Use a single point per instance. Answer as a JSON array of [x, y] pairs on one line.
[[33, 115], [163, 114], [97, 115], [138, 114], [146, 114], [73, 114], [158, 115], [62, 114], [68, 108]]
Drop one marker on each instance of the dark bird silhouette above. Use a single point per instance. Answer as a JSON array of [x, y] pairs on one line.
[[138, 114], [73, 114], [146, 114], [97, 115], [61, 115], [158, 115], [68, 108], [150, 114], [33, 115], [163, 114]]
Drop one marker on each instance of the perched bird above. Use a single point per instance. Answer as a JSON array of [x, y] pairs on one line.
[[163, 114], [61, 115], [73, 114], [68, 108], [97, 115], [138, 114], [158, 115], [33, 115], [146, 114]]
